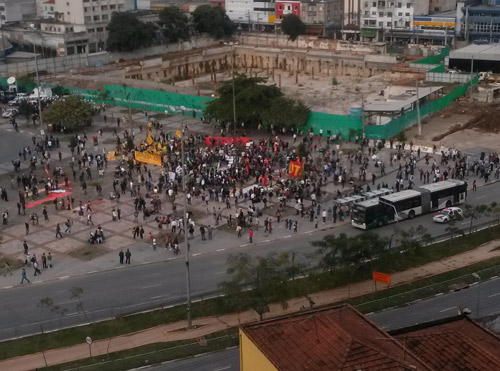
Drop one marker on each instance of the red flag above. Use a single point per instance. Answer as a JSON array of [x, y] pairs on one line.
[[295, 168], [264, 181]]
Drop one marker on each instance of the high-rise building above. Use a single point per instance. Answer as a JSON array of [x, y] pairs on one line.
[[16, 10], [478, 21]]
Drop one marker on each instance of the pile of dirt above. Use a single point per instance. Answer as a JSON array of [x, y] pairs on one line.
[[486, 118]]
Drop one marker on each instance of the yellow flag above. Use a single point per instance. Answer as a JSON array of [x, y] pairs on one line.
[[178, 133]]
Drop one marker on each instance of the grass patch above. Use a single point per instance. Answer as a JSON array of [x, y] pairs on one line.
[[88, 253], [315, 282], [154, 353]]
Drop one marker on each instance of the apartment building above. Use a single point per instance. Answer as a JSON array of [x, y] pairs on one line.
[[382, 19], [16, 10], [254, 14], [478, 21]]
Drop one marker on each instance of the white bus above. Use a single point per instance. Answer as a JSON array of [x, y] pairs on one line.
[[409, 203]]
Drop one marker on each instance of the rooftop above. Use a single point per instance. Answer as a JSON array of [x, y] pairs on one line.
[[399, 102], [479, 52], [459, 344], [330, 339]]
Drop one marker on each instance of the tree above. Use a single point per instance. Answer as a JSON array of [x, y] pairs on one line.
[[77, 293], [213, 20], [293, 26], [26, 109], [286, 112], [255, 104], [60, 91], [71, 111], [413, 239], [474, 212], [265, 276], [127, 33], [174, 24], [350, 253]]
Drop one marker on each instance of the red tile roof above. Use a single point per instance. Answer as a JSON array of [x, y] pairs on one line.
[[331, 339], [458, 345]]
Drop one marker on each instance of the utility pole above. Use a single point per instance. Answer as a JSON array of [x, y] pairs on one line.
[[363, 115], [234, 95], [418, 111], [185, 221], [38, 88], [471, 77]]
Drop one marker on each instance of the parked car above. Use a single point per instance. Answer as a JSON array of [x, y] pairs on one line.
[[450, 213], [9, 113]]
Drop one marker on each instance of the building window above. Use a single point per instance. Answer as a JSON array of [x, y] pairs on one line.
[[389, 14], [90, 30], [112, 7], [96, 18], [400, 14], [104, 7], [400, 5], [100, 29], [88, 18], [407, 14], [408, 5], [105, 17]]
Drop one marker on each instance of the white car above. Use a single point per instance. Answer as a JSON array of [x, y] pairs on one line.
[[450, 213], [11, 112]]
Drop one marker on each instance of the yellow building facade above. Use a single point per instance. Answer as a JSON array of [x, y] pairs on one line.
[[251, 358]]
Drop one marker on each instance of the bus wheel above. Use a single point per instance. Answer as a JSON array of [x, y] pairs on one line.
[[411, 214], [448, 203]]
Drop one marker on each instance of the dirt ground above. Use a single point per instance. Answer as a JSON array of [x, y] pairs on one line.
[[462, 125], [321, 93]]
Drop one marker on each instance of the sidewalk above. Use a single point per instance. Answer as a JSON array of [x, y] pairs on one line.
[[176, 331]]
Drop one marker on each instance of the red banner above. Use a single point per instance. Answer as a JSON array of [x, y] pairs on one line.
[[226, 140], [295, 168]]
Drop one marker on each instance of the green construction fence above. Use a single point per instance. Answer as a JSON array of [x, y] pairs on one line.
[[392, 128]]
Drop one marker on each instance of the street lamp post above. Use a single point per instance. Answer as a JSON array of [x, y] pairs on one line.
[[38, 88], [234, 98], [185, 221]]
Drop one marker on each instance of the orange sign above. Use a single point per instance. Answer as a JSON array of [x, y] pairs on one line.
[[295, 168], [382, 277]]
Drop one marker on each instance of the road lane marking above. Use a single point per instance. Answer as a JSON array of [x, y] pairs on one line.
[[244, 245], [91, 272], [221, 250], [266, 241], [160, 296], [198, 253], [491, 296], [152, 275], [63, 277], [309, 231], [288, 236], [7, 287], [447, 309], [149, 287], [68, 302], [478, 198], [222, 368]]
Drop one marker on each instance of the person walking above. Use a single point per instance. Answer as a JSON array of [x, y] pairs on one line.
[[49, 258], [37, 270], [474, 186], [250, 235], [141, 232], [44, 261], [128, 254], [209, 229], [45, 214], [68, 225], [238, 229], [24, 277], [202, 232], [27, 226], [25, 246], [58, 231], [323, 215], [121, 255], [89, 219]]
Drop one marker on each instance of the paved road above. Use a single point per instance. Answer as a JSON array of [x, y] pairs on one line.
[[482, 299], [225, 360], [136, 288]]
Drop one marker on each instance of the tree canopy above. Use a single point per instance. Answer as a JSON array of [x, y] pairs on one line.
[[127, 33], [70, 111], [213, 20], [174, 24], [265, 275], [256, 103], [292, 26]]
